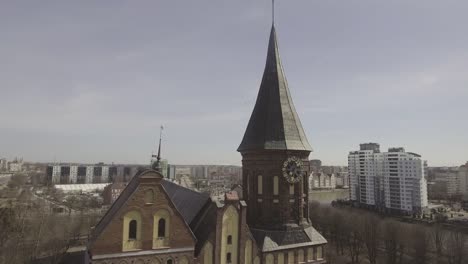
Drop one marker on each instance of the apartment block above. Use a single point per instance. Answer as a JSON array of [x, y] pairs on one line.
[[391, 181], [72, 173]]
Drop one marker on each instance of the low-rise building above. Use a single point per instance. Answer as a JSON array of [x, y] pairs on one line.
[[3, 164], [74, 173], [16, 165], [444, 182], [112, 192], [342, 179], [321, 180]]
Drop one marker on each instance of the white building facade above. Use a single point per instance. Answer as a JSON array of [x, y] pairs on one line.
[[392, 181]]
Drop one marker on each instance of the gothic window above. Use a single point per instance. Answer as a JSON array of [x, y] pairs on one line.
[[310, 254], [269, 259], [169, 261], [260, 184], [275, 185], [280, 258], [228, 258], [132, 230], [319, 252], [229, 240], [162, 227], [291, 257], [300, 256]]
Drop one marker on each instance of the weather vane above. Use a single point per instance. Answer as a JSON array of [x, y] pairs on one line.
[[273, 11]]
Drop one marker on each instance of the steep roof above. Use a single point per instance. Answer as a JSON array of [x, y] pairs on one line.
[[274, 123], [268, 240], [188, 202], [205, 226]]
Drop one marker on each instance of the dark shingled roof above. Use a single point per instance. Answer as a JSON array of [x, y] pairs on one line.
[[274, 123], [268, 240], [188, 202], [205, 226]]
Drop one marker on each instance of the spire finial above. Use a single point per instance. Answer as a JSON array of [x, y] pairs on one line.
[[273, 12], [156, 165]]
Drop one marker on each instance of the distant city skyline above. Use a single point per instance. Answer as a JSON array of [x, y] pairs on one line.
[[93, 82]]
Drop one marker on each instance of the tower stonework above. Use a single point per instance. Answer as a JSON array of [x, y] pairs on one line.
[[286, 209]]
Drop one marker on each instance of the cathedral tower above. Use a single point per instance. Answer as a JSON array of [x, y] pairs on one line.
[[275, 154]]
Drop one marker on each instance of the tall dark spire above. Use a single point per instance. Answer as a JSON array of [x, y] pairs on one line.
[[157, 164], [274, 123]]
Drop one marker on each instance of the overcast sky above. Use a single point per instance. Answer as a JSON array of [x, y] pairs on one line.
[[90, 81]]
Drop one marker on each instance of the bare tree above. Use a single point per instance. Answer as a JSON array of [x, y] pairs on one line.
[[370, 236], [335, 228], [438, 237], [455, 249], [392, 244], [354, 240], [419, 245]]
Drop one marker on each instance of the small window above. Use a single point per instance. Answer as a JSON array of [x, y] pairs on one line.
[[275, 185], [132, 230], [149, 196], [169, 261], [228, 258], [229, 240], [162, 227], [260, 184]]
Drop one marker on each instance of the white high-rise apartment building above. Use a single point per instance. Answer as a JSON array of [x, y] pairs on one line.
[[392, 181]]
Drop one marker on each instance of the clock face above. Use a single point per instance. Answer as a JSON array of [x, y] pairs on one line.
[[292, 169]]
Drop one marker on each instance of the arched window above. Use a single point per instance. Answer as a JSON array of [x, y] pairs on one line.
[[280, 258], [229, 240], [310, 254], [228, 258], [319, 252], [275, 185], [132, 230], [162, 227], [291, 257], [260, 184], [131, 233], [169, 261], [269, 259], [300, 256]]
